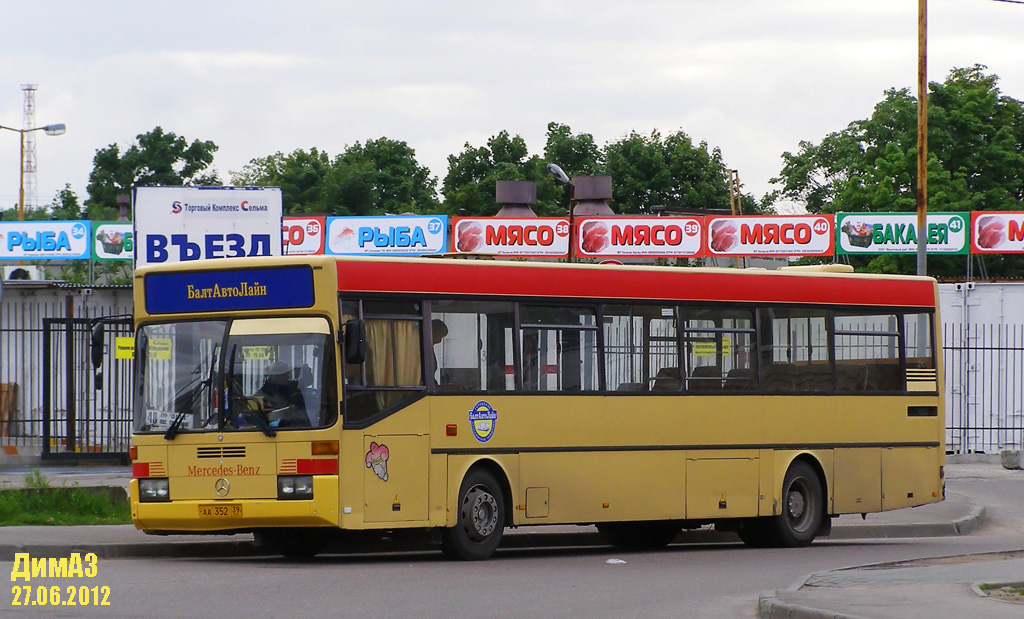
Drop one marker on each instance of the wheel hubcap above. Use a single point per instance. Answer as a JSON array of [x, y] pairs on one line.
[[798, 509], [479, 514]]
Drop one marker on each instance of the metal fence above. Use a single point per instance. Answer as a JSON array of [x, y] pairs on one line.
[[31, 425], [984, 387]]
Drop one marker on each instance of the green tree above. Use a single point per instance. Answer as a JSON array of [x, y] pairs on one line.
[[975, 162], [378, 177], [577, 155], [300, 175], [398, 183], [157, 158], [649, 170], [469, 184]]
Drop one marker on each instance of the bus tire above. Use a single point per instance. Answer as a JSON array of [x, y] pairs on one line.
[[481, 519], [803, 509], [298, 544], [752, 533], [640, 535]]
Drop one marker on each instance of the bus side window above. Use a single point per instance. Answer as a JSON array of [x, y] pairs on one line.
[[473, 354], [559, 345], [393, 369], [641, 348], [868, 352]]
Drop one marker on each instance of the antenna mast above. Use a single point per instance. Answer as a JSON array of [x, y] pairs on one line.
[[28, 163]]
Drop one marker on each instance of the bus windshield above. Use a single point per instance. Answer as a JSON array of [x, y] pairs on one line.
[[256, 375]]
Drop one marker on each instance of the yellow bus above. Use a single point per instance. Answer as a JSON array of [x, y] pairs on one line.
[[300, 398]]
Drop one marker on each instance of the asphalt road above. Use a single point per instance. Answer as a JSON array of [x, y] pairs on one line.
[[695, 580], [681, 581]]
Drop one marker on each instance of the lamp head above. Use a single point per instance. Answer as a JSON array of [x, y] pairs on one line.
[[57, 129], [557, 172]]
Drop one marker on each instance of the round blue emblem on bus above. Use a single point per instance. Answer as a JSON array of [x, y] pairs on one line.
[[482, 419]]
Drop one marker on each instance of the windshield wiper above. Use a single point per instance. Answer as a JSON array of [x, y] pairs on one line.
[[187, 406], [263, 423]]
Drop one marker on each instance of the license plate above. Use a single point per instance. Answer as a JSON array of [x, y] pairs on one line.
[[220, 511]]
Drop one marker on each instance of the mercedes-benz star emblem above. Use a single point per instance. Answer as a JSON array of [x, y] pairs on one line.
[[222, 486]]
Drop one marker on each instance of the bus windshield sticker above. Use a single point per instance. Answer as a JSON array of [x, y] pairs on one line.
[[482, 420], [258, 353], [160, 348], [377, 459]]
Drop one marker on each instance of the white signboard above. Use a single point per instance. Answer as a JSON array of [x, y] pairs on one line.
[[177, 224], [600, 237], [398, 235], [509, 236], [65, 240]]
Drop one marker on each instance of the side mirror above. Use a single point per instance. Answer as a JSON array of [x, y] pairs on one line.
[[96, 352], [355, 341]]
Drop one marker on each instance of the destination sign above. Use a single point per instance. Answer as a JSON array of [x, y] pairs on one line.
[[236, 289]]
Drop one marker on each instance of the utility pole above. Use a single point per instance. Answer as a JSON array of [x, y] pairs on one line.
[[922, 137]]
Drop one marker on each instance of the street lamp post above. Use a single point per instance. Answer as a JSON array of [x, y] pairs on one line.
[[563, 178], [57, 129]]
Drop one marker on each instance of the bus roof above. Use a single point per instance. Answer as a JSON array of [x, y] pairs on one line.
[[535, 279]]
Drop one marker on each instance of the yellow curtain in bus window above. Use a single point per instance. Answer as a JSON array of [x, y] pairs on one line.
[[708, 348], [124, 348]]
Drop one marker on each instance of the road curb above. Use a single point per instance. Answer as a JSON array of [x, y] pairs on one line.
[[953, 528], [770, 607]]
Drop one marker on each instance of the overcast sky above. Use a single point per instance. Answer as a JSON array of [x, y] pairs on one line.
[[750, 77]]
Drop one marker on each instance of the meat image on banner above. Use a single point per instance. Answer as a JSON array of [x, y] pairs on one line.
[[896, 233], [769, 235], [658, 237], [537, 237], [997, 232]]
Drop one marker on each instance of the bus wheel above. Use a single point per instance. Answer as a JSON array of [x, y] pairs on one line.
[[297, 544], [803, 508], [753, 534], [481, 519], [640, 535]]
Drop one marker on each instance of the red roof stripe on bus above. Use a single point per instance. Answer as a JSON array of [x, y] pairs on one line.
[[613, 282]]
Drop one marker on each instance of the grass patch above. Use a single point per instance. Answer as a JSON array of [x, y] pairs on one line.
[[38, 503], [1010, 589]]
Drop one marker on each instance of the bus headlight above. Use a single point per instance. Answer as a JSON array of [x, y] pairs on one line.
[[154, 490], [295, 487]]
